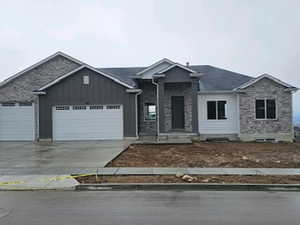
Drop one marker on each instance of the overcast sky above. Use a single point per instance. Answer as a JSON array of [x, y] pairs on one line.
[[247, 36]]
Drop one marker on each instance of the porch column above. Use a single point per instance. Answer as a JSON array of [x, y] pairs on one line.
[[195, 85], [161, 110]]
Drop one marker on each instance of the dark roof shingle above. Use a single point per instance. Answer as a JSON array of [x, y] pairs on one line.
[[212, 78]]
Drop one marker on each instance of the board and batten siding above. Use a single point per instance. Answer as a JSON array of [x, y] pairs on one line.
[[228, 126], [72, 91]]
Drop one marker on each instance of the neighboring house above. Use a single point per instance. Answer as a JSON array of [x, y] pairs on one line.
[[62, 98]]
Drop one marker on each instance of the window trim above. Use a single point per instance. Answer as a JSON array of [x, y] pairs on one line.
[[216, 102], [86, 80], [149, 120], [265, 100]]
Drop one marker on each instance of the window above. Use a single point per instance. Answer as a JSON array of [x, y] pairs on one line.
[[96, 107], [216, 110], [113, 107], [265, 109], [150, 111], [25, 104], [86, 79], [62, 107], [8, 104], [79, 107]]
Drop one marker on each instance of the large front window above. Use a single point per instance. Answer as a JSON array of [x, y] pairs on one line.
[[150, 111], [216, 110], [265, 109]]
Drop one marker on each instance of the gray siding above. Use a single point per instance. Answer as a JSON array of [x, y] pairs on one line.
[[71, 91], [176, 75]]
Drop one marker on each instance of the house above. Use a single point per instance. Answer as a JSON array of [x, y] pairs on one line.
[[62, 98]]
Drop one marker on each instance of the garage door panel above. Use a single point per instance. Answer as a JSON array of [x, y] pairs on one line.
[[16, 123], [88, 124]]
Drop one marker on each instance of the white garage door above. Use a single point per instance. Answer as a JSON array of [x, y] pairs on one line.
[[16, 122], [95, 122]]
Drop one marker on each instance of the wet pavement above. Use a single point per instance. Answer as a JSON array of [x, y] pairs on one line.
[[149, 207], [22, 158]]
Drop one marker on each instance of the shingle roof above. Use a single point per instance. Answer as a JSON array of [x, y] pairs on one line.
[[123, 73], [216, 79], [21, 88], [212, 78]]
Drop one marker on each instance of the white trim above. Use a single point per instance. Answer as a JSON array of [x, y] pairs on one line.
[[265, 104], [251, 82], [238, 115], [40, 63], [158, 75], [39, 92], [178, 65], [154, 65], [157, 106], [217, 109], [133, 90], [136, 113], [293, 130], [78, 69]]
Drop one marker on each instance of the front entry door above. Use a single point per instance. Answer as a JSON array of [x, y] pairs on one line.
[[177, 108]]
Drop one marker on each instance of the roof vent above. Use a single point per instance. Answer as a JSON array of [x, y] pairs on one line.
[[187, 64]]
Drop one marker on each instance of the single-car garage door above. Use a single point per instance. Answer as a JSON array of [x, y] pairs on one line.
[[88, 122], [16, 122]]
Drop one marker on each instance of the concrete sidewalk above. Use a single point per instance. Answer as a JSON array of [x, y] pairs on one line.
[[66, 182], [149, 171], [196, 171], [38, 182]]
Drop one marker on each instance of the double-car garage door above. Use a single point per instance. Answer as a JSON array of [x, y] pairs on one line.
[[87, 122], [74, 122]]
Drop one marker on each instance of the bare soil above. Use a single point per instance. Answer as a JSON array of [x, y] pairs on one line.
[[255, 179], [211, 154]]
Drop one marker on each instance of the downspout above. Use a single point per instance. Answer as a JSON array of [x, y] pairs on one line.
[[238, 114], [136, 114], [157, 103]]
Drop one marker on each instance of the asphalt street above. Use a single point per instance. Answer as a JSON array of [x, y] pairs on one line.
[[149, 207]]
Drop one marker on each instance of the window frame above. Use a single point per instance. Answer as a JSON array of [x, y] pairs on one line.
[[86, 80], [265, 102], [217, 112], [147, 104]]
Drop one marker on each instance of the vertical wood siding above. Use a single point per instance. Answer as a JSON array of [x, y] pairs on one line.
[[72, 91]]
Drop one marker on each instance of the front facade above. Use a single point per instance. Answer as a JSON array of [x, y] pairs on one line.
[[62, 98]]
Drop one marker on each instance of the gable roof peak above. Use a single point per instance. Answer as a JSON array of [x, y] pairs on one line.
[[268, 76], [156, 64], [59, 53], [177, 65]]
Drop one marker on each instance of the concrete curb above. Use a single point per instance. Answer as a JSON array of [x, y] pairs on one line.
[[38, 189], [187, 187]]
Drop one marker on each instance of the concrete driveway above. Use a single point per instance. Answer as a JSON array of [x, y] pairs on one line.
[[19, 158]]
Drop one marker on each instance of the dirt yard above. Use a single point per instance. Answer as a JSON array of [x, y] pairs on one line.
[[211, 154], [257, 179]]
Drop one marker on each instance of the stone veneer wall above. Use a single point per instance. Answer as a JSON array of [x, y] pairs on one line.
[[148, 96], [20, 89], [281, 127], [180, 89]]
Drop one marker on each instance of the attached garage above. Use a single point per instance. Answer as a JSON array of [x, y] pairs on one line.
[[87, 122], [17, 122]]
